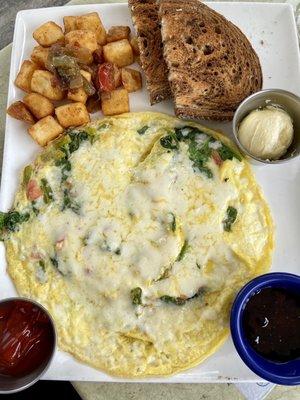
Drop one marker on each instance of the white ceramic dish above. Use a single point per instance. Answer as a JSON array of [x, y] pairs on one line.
[[272, 32]]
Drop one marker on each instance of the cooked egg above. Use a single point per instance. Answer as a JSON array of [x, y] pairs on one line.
[[141, 231]]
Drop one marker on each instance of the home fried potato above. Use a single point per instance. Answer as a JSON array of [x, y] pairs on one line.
[[39, 55], [119, 53], [131, 79], [45, 130], [93, 23], [23, 79], [79, 94], [134, 45], [73, 114], [43, 82], [19, 111], [82, 38], [48, 34], [39, 105], [115, 102], [117, 33], [69, 23], [83, 54], [93, 104]]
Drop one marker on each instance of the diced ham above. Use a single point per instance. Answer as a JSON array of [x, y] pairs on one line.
[[33, 190], [216, 157], [59, 244]]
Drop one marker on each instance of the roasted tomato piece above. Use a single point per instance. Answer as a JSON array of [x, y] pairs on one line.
[[108, 76]]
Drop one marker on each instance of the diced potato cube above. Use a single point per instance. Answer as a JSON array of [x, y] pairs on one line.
[[24, 76], [40, 55], [45, 130], [119, 53], [83, 54], [48, 34], [117, 33], [101, 35], [93, 104], [131, 79], [19, 111], [80, 94], [39, 105], [93, 23], [43, 82], [82, 38], [117, 76], [73, 114], [134, 45], [115, 102], [70, 23]]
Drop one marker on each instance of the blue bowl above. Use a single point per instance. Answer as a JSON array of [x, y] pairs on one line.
[[282, 373]]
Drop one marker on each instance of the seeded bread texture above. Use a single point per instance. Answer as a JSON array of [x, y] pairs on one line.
[[145, 19], [212, 65]]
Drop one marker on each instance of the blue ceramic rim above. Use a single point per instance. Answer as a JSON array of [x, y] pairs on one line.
[[252, 359]]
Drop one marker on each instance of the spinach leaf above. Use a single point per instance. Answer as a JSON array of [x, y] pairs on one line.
[[178, 301], [206, 171], [46, 188], [54, 261], [103, 126], [227, 154], [77, 137], [170, 141], [164, 275], [136, 296], [9, 221], [27, 174], [42, 265], [200, 155], [65, 168], [230, 218], [173, 222], [68, 202], [34, 208], [142, 130], [187, 132], [182, 251]]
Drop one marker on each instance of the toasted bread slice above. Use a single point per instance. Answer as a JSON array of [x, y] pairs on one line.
[[145, 19], [212, 65]]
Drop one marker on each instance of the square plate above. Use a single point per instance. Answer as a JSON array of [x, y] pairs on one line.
[[272, 31]]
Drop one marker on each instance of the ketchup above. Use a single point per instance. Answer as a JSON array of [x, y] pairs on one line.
[[26, 337]]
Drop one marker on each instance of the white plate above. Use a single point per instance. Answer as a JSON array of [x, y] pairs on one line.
[[272, 32]]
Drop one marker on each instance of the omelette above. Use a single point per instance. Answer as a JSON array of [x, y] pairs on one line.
[[136, 232]]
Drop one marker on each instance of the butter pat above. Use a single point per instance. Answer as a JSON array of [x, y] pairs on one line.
[[266, 133]]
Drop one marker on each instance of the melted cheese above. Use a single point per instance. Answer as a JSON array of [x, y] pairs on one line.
[[140, 205]]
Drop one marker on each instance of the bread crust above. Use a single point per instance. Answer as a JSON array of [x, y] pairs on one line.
[[145, 19], [212, 65]]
